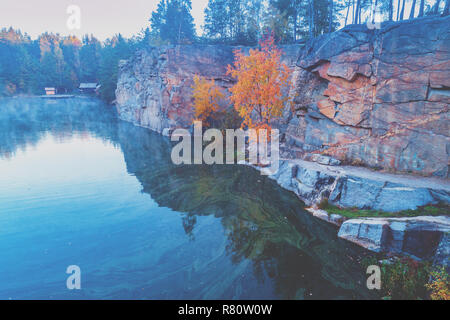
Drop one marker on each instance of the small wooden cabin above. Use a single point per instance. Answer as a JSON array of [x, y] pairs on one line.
[[90, 87]]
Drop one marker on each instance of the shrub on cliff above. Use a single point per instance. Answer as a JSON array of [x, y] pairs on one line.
[[261, 90], [258, 96], [408, 279], [439, 285], [207, 97]]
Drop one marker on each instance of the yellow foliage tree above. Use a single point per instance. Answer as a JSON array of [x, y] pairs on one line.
[[206, 97], [260, 93], [440, 285]]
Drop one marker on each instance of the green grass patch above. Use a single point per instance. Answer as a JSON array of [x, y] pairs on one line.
[[351, 213]]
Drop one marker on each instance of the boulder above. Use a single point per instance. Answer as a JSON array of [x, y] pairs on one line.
[[370, 234], [335, 219]]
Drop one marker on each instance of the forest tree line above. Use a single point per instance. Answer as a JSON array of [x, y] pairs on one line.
[[244, 22], [27, 66]]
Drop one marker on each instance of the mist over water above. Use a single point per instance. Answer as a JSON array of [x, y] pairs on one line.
[[79, 187]]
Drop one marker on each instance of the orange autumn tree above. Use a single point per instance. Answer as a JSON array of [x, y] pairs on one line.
[[260, 93], [206, 97]]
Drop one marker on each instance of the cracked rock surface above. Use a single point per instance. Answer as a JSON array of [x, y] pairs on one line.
[[379, 98], [352, 187], [154, 88]]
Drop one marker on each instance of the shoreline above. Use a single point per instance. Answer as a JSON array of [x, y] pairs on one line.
[[363, 188], [420, 237]]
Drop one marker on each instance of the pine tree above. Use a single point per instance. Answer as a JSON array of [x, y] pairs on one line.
[[291, 10], [145, 38], [89, 59], [413, 9], [446, 8], [421, 8], [217, 20], [311, 14], [277, 22], [234, 21], [436, 7], [391, 9], [173, 22], [402, 11], [115, 49]]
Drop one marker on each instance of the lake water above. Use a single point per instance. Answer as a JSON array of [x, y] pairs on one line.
[[80, 187]]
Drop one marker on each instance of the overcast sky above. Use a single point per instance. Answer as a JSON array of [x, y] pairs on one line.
[[103, 18]]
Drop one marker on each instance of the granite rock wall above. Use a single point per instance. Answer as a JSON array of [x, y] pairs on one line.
[[378, 98]]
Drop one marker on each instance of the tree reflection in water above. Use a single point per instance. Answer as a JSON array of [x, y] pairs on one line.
[[264, 224]]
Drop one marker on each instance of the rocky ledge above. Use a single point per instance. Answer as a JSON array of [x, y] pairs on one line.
[[420, 237], [357, 187], [345, 186]]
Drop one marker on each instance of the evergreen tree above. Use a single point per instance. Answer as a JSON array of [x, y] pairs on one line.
[[402, 11], [63, 62], [49, 70], [291, 11], [436, 6], [89, 59], [114, 50], [446, 8], [217, 20], [173, 22], [234, 21], [413, 8], [421, 8], [277, 23], [145, 38], [391, 9]]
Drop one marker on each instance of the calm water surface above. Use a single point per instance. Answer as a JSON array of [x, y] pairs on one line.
[[79, 187]]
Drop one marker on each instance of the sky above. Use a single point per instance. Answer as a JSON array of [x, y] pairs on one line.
[[102, 18]]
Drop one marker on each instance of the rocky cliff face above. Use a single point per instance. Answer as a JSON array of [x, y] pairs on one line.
[[155, 87], [376, 97]]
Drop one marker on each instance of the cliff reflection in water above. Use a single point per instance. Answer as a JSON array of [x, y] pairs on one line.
[[298, 255], [264, 223]]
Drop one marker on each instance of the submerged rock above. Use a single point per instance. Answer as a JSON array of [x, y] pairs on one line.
[[335, 219]]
